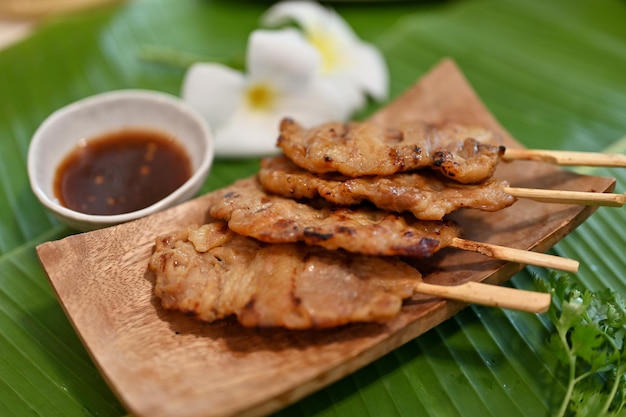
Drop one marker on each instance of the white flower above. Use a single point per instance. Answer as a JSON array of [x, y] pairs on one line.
[[355, 68], [321, 73], [244, 110]]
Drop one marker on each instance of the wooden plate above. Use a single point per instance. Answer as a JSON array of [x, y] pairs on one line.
[[162, 363]]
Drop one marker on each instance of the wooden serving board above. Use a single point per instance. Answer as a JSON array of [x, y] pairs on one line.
[[162, 363]]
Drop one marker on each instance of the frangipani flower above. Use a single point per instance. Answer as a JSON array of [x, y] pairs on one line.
[[244, 110], [321, 73], [355, 68]]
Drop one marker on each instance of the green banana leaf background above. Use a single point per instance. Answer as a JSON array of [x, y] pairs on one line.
[[553, 73]]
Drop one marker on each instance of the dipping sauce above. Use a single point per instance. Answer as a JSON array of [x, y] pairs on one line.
[[121, 172]]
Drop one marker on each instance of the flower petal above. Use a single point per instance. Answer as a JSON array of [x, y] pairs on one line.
[[368, 68], [346, 59], [282, 57], [215, 90], [252, 133], [348, 92], [287, 62], [247, 135], [320, 102], [309, 15]]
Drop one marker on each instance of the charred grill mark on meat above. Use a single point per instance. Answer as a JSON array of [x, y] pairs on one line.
[[470, 163]]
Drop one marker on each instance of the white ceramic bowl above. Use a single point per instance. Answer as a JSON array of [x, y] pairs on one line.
[[101, 114]]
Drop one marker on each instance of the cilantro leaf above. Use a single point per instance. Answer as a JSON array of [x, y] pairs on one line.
[[590, 328]]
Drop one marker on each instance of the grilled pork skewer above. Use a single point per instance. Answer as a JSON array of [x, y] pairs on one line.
[[250, 211], [356, 149], [215, 273], [424, 194], [465, 154]]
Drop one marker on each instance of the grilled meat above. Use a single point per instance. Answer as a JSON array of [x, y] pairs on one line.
[[250, 211], [356, 149], [423, 194], [214, 273]]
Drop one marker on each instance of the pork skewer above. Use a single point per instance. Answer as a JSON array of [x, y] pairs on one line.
[[214, 273], [250, 211], [465, 154], [462, 153], [423, 193]]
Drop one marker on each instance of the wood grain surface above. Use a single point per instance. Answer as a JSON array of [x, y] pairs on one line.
[[162, 363]]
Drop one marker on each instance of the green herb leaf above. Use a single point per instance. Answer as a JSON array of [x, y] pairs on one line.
[[588, 340]]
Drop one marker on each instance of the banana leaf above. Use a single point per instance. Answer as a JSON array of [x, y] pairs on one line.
[[553, 73]]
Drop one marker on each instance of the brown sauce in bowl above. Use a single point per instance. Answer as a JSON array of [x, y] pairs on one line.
[[121, 172]]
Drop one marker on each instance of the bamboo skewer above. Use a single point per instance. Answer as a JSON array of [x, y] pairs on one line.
[[489, 295], [567, 158], [516, 255], [494, 295], [569, 197]]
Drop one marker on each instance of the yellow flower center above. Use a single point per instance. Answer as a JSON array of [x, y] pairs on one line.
[[327, 48], [261, 97]]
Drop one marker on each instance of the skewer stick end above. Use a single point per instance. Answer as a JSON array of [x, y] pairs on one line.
[[518, 255], [569, 197]]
